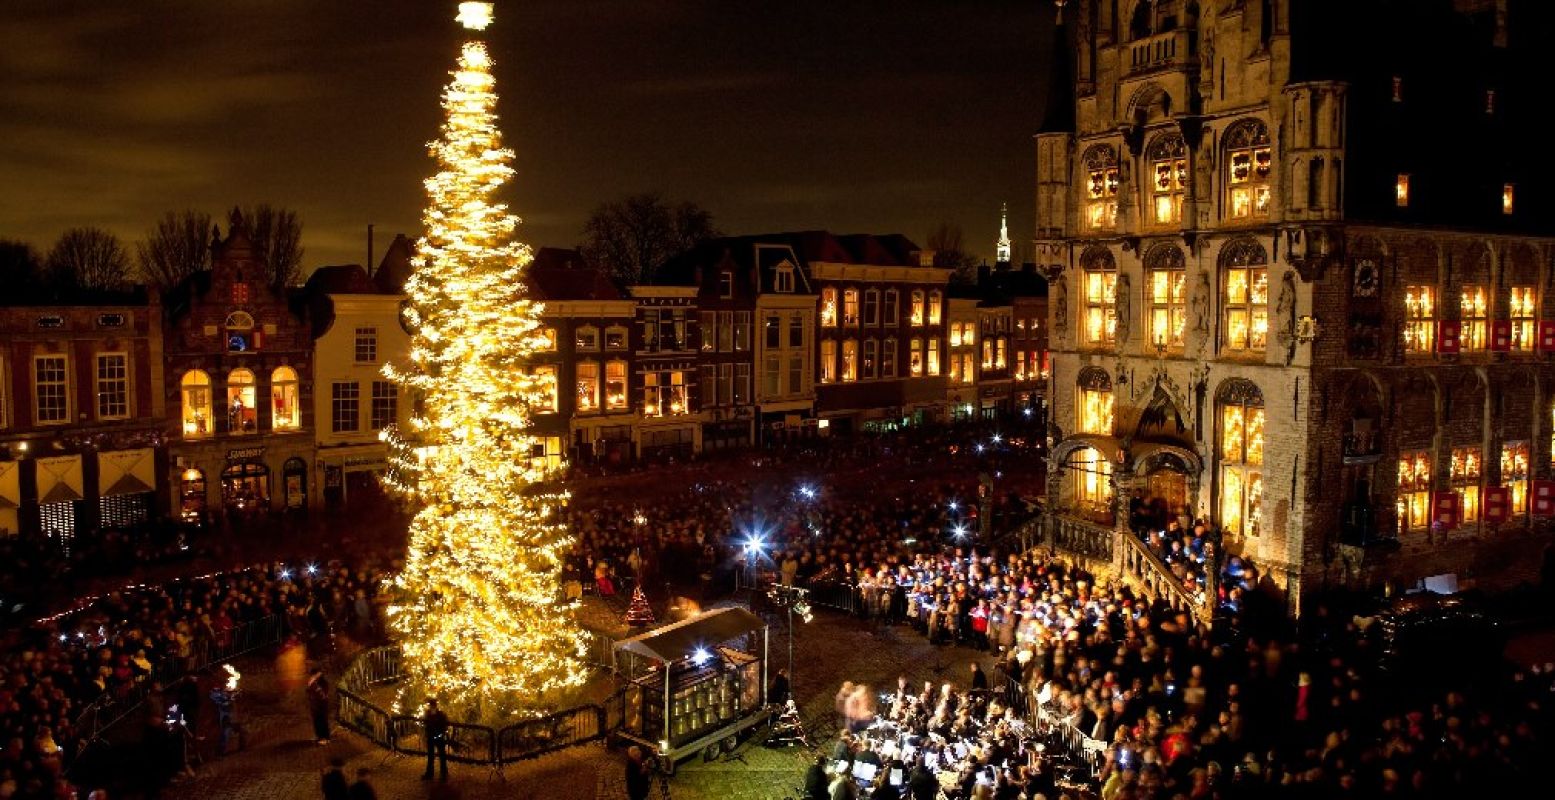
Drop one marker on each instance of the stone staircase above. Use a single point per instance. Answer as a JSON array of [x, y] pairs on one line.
[[1108, 553]]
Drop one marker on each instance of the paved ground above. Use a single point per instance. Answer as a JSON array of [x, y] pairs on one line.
[[282, 763]]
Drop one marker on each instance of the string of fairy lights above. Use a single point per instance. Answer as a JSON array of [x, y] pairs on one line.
[[480, 616]]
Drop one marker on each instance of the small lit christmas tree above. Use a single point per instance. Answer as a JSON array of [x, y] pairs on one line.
[[638, 612], [482, 623]]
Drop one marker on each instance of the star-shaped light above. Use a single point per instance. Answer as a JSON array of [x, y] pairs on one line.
[[474, 16]]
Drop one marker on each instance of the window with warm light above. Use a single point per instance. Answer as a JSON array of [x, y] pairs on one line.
[[849, 361], [1414, 490], [1241, 467], [829, 307], [969, 334], [1419, 319], [987, 354], [242, 410], [385, 404], [915, 357], [871, 358], [285, 412], [933, 357], [615, 385], [1091, 474], [1169, 165], [1247, 308], [587, 338], [1507, 192], [916, 317], [545, 397], [968, 368], [1249, 162], [955, 334], [936, 304], [1465, 474], [850, 307], [113, 385], [196, 386], [999, 355], [742, 330], [828, 361], [664, 394], [615, 338], [1401, 190], [1521, 310], [240, 332], [890, 308], [1096, 411], [546, 338], [1514, 475], [1101, 187], [588, 386], [888, 359], [1101, 311], [1168, 306], [872, 307], [1474, 311]]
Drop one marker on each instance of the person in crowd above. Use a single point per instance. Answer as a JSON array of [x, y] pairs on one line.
[[362, 789], [319, 704], [639, 774], [434, 726], [333, 783], [778, 692], [815, 782]]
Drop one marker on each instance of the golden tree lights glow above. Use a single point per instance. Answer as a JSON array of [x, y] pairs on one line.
[[480, 616]]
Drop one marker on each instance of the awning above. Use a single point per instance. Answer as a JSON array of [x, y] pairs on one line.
[[10, 496], [59, 479], [704, 631], [126, 472]]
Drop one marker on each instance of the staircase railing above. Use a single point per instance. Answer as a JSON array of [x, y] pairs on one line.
[[1146, 569]]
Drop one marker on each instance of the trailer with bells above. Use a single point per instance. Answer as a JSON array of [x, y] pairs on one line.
[[696, 686]]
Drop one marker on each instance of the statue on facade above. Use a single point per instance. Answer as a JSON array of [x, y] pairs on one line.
[[1061, 309], [1199, 305], [1122, 307], [1285, 316]]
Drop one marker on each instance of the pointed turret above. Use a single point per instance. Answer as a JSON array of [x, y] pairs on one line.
[[1002, 249]]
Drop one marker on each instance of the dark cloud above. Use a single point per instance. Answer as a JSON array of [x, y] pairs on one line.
[[856, 115]]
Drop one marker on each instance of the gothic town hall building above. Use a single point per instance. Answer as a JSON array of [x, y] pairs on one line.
[[1301, 273]]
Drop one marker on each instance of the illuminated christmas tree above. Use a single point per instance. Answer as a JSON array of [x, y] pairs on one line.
[[481, 619], [638, 612]]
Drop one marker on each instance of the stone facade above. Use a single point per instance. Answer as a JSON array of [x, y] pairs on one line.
[[1255, 284]]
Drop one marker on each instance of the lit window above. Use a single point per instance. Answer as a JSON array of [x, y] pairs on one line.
[[933, 356], [242, 410], [1465, 472], [543, 399], [917, 308], [1168, 297], [936, 304], [615, 385], [1401, 190], [709, 327], [546, 339], [1419, 319], [196, 387], [871, 358], [588, 386], [366, 345], [1522, 311], [872, 307], [385, 405], [113, 386], [828, 361], [50, 389], [968, 374], [742, 330], [285, 413], [955, 334], [1241, 467], [1092, 483], [999, 359], [915, 357], [345, 407], [987, 354], [651, 405], [850, 307], [586, 337], [1248, 162], [1507, 192], [240, 332], [1514, 475], [615, 338], [1414, 490], [1474, 311], [1101, 188], [892, 307], [1096, 411], [849, 361], [725, 331], [1169, 163], [829, 307], [1101, 314], [1247, 307], [888, 359]]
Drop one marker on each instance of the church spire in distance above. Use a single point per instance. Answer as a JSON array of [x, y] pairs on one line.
[[1003, 250]]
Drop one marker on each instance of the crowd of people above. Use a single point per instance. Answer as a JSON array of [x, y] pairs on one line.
[[65, 675]]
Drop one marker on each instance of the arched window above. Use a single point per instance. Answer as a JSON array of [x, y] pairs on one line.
[[1168, 296], [240, 321], [917, 308], [1091, 488], [1245, 270], [1101, 280], [285, 412], [1101, 186], [936, 303], [240, 332], [849, 360], [1095, 401], [1241, 458], [196, 385], [850, 307], [1249, 162], [242, 413], [1168, 158]]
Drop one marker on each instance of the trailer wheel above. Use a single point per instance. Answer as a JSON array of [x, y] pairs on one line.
[[710, 753]]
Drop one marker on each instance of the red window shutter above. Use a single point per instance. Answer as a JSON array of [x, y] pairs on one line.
[[1501, 335], [1446, 510], [1544, 498], [1495, 504], [259, 339], [1449, 336], [1547, 336]]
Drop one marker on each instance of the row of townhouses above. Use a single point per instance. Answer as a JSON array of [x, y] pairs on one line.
[[226, 396]]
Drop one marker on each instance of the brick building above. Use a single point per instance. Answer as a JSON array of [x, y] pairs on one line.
[[82, 445], [239, 389], [1273, 309]]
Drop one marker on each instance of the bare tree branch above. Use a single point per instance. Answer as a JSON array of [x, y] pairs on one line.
[[179, 246], [88, 258], [632, 237], [277, 237]]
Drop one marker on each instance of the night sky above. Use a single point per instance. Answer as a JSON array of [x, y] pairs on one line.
[[852, 115]]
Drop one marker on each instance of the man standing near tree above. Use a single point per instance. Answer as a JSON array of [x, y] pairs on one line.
[[318, 705], [434, 724]]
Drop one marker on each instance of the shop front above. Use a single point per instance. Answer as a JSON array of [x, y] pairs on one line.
[[602, 444], [245, 488], [60, 494], [126, 487], [669, 441], [727, 434], [351, 475], [10, 497]]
